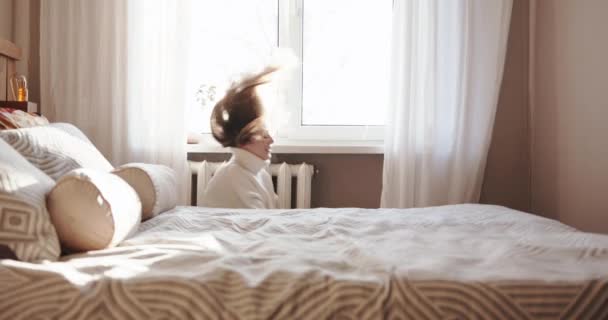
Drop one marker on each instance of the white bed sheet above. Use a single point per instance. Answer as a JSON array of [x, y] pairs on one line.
[[458, 261], [460, 242]]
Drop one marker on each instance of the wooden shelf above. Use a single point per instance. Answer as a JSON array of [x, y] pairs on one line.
[[27, 106]]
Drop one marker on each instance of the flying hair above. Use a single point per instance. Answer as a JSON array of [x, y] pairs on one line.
[[237, 118]]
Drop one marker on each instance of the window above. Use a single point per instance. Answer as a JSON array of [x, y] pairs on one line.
[[228, 37], [338, 90]]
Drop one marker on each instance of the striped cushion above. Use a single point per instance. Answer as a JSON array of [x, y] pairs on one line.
[[56, 149], [25, 226]]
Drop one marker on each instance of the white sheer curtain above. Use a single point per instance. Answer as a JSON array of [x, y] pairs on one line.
[[447, 63], [117, 70]]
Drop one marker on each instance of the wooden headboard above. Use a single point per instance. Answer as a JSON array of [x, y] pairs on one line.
[[9, 54]]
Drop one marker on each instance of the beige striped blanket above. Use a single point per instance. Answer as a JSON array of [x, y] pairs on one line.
[[451, 262]]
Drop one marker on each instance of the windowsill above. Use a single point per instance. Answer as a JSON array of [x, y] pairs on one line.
[[282, 146]]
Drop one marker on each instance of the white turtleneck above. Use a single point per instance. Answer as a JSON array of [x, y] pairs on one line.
[[241, 183]]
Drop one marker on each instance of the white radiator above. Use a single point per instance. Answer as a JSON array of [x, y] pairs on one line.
[[284, 172]]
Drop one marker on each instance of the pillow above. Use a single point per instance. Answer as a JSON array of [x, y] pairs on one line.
[[93, 210], [56, 150], [71, 130], [15, 119], [155, 184], [25, 226]]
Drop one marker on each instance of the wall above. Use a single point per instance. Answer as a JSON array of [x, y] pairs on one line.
[[6, 19], [26, 35], [340, 180], [570, 112], [19, 23]]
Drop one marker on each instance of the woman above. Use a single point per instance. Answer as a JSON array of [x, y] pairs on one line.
[[237, 122]]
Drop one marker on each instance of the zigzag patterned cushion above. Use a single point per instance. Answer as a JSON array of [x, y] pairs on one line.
[[25, 226], [56, 149]]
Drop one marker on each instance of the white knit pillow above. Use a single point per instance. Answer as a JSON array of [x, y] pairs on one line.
[[25, 226], [93, 210], [155, 184], [56, 149]]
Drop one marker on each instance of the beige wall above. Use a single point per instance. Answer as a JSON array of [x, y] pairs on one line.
[[340, 180], [20, 24], [570, 113], [6, 19], [26, 34]]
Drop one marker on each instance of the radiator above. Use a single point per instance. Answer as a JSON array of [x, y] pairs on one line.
[[283, 172]]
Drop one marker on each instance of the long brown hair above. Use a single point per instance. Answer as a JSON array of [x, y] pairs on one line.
[[237, 118]]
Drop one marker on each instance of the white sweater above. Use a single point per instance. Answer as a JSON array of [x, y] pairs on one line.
[[241, 183]]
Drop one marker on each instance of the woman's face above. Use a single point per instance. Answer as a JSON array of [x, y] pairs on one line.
[[260, 145]]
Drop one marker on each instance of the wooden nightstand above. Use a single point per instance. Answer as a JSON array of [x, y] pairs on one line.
[[27, 106]]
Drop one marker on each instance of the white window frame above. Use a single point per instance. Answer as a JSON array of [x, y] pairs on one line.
[[290, 27], [296, 137]]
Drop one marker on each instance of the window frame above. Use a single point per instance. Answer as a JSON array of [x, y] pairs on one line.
[[290, 26]]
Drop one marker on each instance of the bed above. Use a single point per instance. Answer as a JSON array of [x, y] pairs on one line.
[[450, 262]]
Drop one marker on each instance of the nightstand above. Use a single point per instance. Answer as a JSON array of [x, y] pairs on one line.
[[27, 106]]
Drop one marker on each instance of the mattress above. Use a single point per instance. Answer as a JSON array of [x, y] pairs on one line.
[[450, 262]]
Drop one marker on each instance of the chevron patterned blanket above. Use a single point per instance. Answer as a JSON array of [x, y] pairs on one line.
[[450, 262]]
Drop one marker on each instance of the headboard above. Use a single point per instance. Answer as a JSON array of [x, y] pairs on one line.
[[9, 54]]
